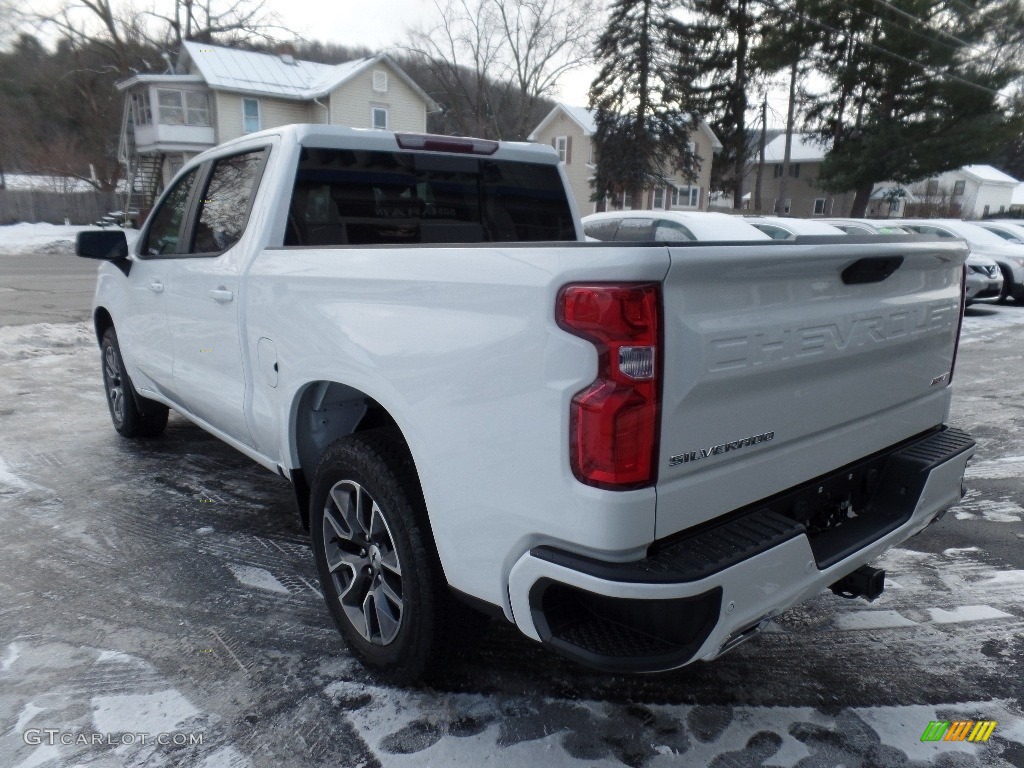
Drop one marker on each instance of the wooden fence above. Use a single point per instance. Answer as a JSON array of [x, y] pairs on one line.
[[55, 207]]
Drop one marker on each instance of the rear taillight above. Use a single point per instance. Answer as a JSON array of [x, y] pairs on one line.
[[614, 422], [959, 322]]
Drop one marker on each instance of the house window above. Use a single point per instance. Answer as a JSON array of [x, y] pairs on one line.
[[197, 108], [142, 113], [379, 118], [627, 201], [819, 206], [958, 187], [794, 170], [590, 153], [685, 197], [380, 81], [659, 198], [183, 107], [250, 115], [894, 206], [776, 171], [931, 189], [172, 108], [562, 148]]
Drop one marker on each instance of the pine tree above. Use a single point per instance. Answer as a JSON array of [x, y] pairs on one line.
[[909, 94], [640, 99], [724, 36]]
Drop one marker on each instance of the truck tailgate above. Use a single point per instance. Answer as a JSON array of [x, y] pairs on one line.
[[787, 361]]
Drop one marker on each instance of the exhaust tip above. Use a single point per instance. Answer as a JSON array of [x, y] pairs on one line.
[[866, 582]]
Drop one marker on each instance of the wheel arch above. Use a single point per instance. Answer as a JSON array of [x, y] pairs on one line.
[[101, 320], [321, 412]]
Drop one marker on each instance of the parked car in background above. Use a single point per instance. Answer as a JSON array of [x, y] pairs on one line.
[[1010, 231], [984, 279], [668, 226], [781, 228], [866, 226], [983, 242]]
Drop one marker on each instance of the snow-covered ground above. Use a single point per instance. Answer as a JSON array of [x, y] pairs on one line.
[[34, 239]]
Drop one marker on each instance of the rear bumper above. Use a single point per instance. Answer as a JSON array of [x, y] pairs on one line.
[[698, 594]]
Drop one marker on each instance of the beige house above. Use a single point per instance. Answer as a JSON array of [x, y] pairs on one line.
[[803, 197], [216, 94], [570, 131]]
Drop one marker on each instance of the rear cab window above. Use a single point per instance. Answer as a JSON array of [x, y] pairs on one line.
[[366, 197]]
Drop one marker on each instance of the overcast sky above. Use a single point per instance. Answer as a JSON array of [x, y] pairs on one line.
[[381, 25]]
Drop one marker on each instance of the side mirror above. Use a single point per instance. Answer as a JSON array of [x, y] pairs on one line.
[[108, 246]]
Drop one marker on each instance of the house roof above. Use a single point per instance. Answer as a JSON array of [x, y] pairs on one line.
[[805, 149], [987, 173], [168, 79], [264, 74], [585, 118]]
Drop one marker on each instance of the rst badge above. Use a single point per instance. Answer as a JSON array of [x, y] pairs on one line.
[[715, 450]]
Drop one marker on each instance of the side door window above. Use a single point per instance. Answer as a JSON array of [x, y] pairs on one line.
[[672, 232], [164, 236], [635, 231], [225, 204]]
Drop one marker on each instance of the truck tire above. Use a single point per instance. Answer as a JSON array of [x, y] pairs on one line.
[[132, 414], [375, 556]]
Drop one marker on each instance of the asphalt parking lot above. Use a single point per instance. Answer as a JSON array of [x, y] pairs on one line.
[[165, 587]]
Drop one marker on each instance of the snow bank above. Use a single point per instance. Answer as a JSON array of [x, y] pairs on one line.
[[20, 342], [34, 239]]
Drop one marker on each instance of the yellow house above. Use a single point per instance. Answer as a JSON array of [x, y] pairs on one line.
[[570, 131], [216, 94]]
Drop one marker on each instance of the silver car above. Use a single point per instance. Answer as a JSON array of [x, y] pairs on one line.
[[785, 228], [1009, 256], [668, 226]]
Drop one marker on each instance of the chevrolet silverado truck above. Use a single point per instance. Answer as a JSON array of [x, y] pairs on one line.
[[637, 453]]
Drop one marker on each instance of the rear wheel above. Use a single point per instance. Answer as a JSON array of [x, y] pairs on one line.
[[132, 414], [375, 557]]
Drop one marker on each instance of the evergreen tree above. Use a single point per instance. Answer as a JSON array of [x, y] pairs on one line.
[[725, 38], [908, 95], [640, 99]]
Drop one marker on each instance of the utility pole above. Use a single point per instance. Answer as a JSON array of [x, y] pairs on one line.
[[780, 203], [760, 163]]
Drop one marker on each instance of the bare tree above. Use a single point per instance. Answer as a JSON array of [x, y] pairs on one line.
[[237, 21], [494, 61], [126, 33]]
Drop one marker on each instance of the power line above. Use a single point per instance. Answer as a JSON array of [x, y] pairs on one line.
[[919, 20], [889, 22], [886, 51]]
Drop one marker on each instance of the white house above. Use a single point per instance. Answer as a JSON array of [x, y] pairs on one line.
[[1017, 201], [976, 190], [216, 94], [570, 131]]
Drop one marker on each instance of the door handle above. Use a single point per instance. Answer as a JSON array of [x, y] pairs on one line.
[[221, 295], [156, 286]]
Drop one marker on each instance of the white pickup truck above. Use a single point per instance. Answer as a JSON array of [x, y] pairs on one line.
[[638, 453]]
